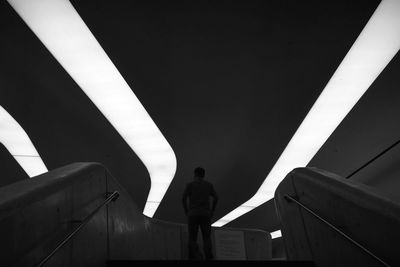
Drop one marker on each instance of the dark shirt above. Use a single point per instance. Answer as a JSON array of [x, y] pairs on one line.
[[199, 192]]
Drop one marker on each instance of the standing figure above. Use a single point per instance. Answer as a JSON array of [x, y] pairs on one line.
[[196, 203]]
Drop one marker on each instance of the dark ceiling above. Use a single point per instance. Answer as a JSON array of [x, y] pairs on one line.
[[227, 83]]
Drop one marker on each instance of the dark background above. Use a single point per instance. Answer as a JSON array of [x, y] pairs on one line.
[[227, 83]]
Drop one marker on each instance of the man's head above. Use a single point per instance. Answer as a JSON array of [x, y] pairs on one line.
[[199, 172]]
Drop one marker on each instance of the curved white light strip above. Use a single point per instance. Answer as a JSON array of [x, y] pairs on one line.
[[57, 24], [377, 44], [17, 142]]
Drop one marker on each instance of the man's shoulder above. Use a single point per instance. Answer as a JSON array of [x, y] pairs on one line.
[[208, 183]]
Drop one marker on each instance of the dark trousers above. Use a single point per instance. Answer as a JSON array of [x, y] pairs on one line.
[[204, 223]]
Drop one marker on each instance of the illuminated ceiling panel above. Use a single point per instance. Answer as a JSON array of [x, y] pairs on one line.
[[377, 44], [60, 28], [17, 142]]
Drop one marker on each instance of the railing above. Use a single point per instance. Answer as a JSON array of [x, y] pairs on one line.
[[290, 199], [36, 214], [110, 197]]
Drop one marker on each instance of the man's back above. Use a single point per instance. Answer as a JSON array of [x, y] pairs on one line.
[[199, 193]]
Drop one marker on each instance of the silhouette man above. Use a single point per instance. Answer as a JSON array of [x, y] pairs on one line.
[[196, 203]]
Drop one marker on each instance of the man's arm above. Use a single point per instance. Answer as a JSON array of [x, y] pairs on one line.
[[184, 200], [215, 199]]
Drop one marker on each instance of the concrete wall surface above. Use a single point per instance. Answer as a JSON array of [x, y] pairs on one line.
[[357, 210], [37, 214]]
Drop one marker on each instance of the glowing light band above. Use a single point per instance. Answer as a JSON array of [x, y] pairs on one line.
[[17, 142], [377, 44], [60, 28]]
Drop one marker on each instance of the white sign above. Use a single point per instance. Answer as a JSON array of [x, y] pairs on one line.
[[229, 245]]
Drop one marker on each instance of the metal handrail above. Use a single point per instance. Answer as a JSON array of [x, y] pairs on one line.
[[289, 198], [114, 196]]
